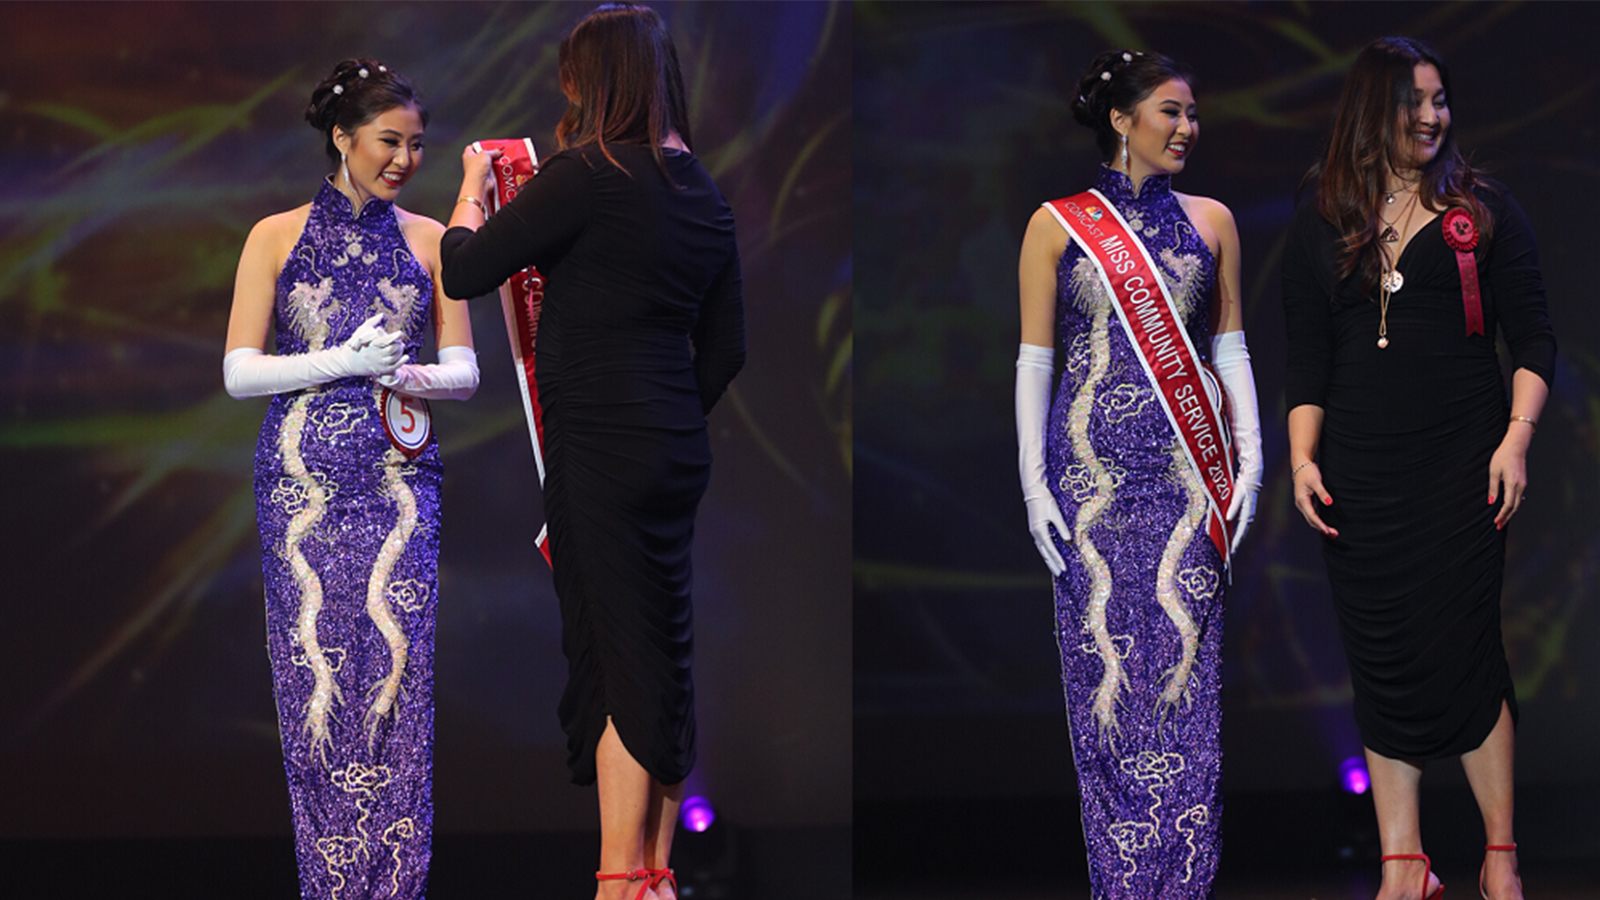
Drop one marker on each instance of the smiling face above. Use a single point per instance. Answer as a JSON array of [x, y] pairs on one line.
[[1422, 126], [1162, 130], [383, 154]]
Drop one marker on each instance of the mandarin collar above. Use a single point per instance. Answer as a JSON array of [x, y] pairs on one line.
[[333, 199], [1118, 188]]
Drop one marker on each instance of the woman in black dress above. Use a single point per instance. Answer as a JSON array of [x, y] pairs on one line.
[[637, 248], [1396, 275]]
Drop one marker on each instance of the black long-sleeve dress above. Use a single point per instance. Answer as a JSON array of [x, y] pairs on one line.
[[637, 270], [1406, 441]]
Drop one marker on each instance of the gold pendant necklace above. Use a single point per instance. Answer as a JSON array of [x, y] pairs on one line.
[[1383, 306], [1392, 281]]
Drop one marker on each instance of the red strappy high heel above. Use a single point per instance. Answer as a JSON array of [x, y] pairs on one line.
[[1503, 848], [652, 879], [1426, 871], [659, 875]]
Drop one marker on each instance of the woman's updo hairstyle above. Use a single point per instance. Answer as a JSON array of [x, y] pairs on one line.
[[1120, 80], [358, 91]]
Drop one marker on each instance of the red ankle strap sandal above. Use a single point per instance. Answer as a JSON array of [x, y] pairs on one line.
[[1502, 848], [652, 879], [1427, 869]]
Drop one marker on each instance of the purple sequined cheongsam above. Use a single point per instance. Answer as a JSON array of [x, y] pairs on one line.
[[1139, 607], [350, 547]]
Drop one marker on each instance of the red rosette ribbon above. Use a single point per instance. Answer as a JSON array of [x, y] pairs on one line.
[[1461, 234]]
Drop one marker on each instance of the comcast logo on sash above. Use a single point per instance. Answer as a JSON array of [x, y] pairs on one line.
[[1094, 212]]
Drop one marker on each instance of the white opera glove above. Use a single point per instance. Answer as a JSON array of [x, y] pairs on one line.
[[248, 372], [453, 377], [1232, 361], [1035, 370]]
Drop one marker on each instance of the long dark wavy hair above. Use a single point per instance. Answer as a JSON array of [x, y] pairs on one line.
[[620, 73], [1376, 113]]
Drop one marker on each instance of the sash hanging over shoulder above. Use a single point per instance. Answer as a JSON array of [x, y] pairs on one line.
[[1160, 342], [522, 297]]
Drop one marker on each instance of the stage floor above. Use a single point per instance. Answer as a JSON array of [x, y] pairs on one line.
[[1282, 846], [1577, 882], [738, 864]]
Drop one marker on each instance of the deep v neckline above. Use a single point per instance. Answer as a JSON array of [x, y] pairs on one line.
[[1412, 241]]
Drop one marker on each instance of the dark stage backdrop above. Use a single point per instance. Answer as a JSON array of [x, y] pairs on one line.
[[962, 130], [138, 144]]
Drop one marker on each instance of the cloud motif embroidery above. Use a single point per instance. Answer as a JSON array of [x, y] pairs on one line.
[[1124, 401]]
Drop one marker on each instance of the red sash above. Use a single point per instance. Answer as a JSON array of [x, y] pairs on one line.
[[521, 297], [1160, 342]]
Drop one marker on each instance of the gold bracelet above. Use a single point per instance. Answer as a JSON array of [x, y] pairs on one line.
[[1296, 470], [1532, 423], [475, 202]]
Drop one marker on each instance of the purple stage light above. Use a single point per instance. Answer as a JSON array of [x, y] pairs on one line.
[[697, 814], [1353, 776]]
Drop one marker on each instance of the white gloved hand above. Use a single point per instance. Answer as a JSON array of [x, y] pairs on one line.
[[1231, 358], [248, 372], [1035, 369], [369, 333], [453, 377]]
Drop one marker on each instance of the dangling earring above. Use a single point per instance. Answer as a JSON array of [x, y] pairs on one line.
[[1124, 157], [344, 165]]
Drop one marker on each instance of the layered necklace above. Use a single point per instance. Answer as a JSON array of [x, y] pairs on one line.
[[1392, 281], [1388, 196]]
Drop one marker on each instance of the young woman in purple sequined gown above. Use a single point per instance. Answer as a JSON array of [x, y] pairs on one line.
[[347, 486], [1117, 510]]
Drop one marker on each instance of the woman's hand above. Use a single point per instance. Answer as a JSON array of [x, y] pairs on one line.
[[1508, 469], [1308, 484], [1044, 512], [1035, 365], [1242, 510], [477, 172], [370, 351]]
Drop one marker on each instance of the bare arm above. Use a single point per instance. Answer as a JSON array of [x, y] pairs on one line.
[[254, 283], [1042, 246], [452, 324], [1508, 468], [1231, 359], [1305, 433], [1230, 305]]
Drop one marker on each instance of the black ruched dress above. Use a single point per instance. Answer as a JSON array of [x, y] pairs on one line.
[[1406, 441], [637, 271]]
